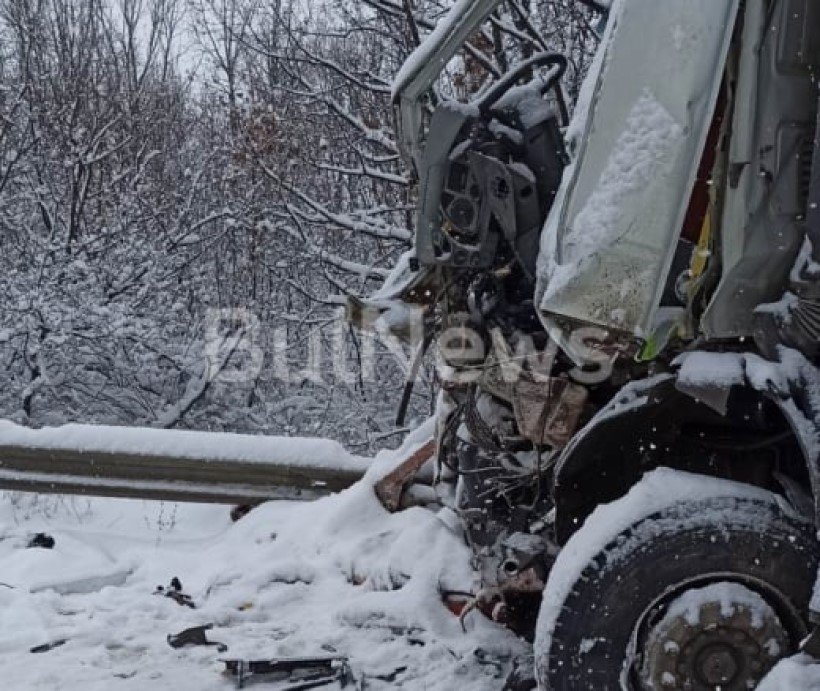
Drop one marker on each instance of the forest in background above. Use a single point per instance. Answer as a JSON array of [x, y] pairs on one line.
[[188, 190]]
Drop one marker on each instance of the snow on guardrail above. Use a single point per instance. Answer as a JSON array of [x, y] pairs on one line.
[[172, 464]]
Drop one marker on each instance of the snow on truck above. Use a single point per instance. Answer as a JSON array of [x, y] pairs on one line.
[[631, 294], [626, 308]]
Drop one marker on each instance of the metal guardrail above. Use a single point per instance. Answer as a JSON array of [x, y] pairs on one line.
[[263, 468]]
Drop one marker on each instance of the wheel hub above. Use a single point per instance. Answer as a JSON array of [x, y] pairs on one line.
[[717, 665], [723, 636]]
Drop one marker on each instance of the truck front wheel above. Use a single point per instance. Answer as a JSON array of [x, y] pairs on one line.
[[702, 594]]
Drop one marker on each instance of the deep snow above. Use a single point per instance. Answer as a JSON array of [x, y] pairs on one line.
[[337, 575]]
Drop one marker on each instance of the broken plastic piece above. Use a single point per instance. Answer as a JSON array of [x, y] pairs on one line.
[[194, 636], [45, 647]]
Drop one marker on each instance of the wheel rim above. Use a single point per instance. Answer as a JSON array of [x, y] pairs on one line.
[[722, 636]]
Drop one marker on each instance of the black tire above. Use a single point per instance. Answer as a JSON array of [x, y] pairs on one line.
[[749, 541]]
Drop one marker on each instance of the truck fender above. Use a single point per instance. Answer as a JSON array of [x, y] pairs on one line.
[[639, 429]]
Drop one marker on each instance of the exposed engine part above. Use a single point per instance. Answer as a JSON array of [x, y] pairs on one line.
[[491, 170], [797, 325], [794, 321], [500, 492], [547, 412]]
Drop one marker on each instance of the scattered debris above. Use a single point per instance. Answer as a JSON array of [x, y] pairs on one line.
[[174, 591], [378, 627], [194, 636], [298, 672], [457, 601], [45, 647], [391, 676], [41, 540]]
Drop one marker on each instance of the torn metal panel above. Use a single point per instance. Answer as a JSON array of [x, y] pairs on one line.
[[611, 237]]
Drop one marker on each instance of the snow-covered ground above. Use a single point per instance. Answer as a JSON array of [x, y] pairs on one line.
[[799, 673], [336, 576], [340, 575]]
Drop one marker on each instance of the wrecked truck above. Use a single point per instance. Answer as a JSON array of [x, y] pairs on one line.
[[626, 309]]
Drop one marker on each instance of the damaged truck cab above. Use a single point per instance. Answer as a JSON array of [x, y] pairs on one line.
[[626, 307]]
